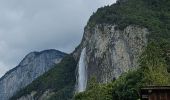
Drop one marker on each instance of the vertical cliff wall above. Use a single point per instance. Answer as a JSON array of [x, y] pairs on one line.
[[111, 52]]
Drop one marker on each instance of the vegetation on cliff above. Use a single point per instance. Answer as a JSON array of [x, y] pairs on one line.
[[152, 14], [152, 71], [155, 60], [60, 80]]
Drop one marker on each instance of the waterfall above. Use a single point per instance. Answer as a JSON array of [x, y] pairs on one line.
[[82, 72]]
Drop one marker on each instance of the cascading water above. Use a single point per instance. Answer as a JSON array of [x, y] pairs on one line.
[[82, 72]]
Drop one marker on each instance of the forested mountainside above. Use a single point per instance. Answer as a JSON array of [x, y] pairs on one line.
[[154, 61], [125, 46], [56, 84], [31, 67]]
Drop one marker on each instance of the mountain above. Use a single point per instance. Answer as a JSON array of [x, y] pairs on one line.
[[117, 35], [125, 46], [56, 84], [31, 67], [110, 52]]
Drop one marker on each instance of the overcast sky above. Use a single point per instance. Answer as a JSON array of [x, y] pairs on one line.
[[36, 25]]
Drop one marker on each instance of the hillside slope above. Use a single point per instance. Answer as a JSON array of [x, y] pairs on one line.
[[127, 46], [56, 84], [31, 67], [152, 63]]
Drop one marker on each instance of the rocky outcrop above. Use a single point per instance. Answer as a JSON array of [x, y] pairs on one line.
[[32, 66], [28, 97], [111, 52], [45, 96]]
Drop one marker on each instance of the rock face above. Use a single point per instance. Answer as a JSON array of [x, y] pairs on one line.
[[45, 96], [111, 52], [32, 66]]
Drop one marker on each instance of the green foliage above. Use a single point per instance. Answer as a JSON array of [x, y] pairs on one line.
[[95, 91], [154, 66], [60, 79], [124, 88], [152, 14], [152, 71], [127, 86], [165, 45], [155, 60]]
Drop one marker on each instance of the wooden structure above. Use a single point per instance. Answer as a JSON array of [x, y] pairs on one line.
[[155, 93]]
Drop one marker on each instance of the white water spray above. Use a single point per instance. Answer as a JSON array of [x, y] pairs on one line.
[[82, 72]]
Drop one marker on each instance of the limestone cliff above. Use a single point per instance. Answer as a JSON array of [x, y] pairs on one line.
[[128, 35], [32, 66], [114, 39], [111, 52], [56, 84]]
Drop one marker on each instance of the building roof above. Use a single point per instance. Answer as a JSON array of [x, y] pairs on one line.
[[156, 88]]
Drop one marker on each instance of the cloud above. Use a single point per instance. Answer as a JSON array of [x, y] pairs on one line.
[[35, 25], [3, 68]]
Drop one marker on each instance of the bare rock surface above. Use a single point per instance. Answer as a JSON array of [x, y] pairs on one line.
[[31, 67]]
